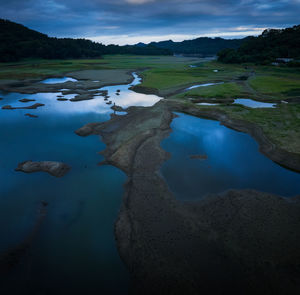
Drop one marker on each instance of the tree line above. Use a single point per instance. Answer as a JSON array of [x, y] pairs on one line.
[[266, 48], [18, 42]]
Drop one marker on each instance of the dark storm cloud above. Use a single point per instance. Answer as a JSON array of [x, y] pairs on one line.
[[127, 19]]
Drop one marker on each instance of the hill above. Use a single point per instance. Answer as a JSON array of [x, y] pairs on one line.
[[272, 44], [18, 42], [201, 46]]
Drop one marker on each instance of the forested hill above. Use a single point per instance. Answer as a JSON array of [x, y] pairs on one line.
[[18, 42], [201, 46], [266, 48]]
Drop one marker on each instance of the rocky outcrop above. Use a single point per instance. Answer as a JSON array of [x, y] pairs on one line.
[[239, 242], [30, 115], [56, 169], [117, 108], [87, 95], [34, 106], [25, 100]]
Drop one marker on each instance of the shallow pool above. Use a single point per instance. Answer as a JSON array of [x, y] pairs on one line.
[[224, 159], [58, 80], [203, 85], [254, 103]]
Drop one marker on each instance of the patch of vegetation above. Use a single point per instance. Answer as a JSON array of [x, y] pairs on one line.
[[272, 85], [204, 46], [281, 124], [168, 75], [226, 90], [18, 42], [266, 48]]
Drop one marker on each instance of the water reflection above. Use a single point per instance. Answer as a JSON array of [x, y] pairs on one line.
[[120, 95], [233, 161], [59, 80], [254, 103], [74, 252], [203, 85]]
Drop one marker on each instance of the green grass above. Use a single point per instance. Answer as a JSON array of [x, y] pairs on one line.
[[170, 74], [226, 90], [273, 85], [41, 68], [281, 124], [165, 73]]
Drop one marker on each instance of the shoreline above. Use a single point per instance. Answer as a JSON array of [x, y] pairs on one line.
[[266, 146], [174, 247]]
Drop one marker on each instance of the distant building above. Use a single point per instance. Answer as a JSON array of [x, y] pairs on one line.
[[284, 60]]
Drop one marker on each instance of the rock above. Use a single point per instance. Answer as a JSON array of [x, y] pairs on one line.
[[80, 97], [1, 98], [56, 169], [105, 99], [118, 90], [34, 106], [26, 100], [117, 93], [44, 203], [7, 107], [200, 157], [31, 116], [117, 108], [61, 99], [110, 102]]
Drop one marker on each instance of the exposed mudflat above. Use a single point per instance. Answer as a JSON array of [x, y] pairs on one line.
[[86, 81], [32, 107], [243, 242]]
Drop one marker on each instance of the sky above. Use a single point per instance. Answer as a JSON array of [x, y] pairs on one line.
[[132, 21]]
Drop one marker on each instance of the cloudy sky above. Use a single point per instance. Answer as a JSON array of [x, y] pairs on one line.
[[132, 21]]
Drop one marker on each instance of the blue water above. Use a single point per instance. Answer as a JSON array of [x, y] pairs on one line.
[[234, 161], [58, 80], [74, 251], [203, 85], [253, 103]]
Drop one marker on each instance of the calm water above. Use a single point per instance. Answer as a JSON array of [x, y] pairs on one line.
[[59, 80], [234, 161], [254, 103], [203, 85], [74, 251]]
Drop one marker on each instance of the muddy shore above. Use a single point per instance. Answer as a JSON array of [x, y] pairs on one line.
[[88, 80], [243, 242]]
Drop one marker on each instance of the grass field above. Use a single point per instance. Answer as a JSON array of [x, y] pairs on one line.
[[170, 75], [227, 90], [280, 124]]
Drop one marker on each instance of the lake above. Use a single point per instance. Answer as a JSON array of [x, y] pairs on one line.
[[74, 250]]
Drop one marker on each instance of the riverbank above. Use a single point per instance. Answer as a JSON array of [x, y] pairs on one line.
[[244, 240], [240, 239]]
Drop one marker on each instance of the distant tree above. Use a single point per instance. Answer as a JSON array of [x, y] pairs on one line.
[[18, 42], [264, 49]]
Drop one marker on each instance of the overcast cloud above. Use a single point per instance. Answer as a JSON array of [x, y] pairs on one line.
[[131, 21]]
